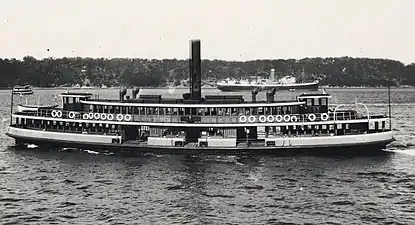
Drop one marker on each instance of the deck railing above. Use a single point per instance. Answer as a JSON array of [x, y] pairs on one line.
[[218, 119]]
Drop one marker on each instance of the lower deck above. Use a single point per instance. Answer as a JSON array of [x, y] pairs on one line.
[[296, 134], [92, 141]]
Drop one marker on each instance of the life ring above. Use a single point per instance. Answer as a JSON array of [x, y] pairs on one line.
[[59, 114], [242, 119], [262, 119], [120, 117], [97, 116], [278, 118], [90, 116], [324, 116], [251, 119], [53, 113], [71, 115], [311, 117], [294, 119], [110, 117], [85, 116], [128, 117], [103, 116], [270, 119], [287, 118]]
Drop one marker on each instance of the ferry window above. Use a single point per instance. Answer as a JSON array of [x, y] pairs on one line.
[[295, 109], [316, 101], [309, 101], [205, 112], [213, 111], [324, 101], [260, 110]]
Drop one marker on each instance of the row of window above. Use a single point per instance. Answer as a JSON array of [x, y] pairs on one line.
[[274, 110]]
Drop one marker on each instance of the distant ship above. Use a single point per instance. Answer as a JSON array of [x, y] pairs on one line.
[[285, 83], [23, 90]]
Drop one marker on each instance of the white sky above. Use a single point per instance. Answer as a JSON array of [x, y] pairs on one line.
[[228, 29]]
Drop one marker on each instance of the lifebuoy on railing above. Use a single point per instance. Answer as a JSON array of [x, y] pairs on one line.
[[71, 115], [110, 117], [85, 116], [312, 117], [120, 117], [128, 117], [97, 116], [324, 116], [242, 119], [294, 119], [53, 113], [59, 114], [90, 116], [103, 116], [287, 118], [278, 118], [262, 119], [270, 118], [252, 119]]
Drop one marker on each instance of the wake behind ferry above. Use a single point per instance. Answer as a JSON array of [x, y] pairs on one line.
[[212, 123]]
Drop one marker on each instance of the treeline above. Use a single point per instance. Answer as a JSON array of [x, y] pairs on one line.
[[344, 71]]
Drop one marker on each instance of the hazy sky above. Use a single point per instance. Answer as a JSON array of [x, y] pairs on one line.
[[228, 29]]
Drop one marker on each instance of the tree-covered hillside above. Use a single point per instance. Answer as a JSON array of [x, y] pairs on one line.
[[344, 71]]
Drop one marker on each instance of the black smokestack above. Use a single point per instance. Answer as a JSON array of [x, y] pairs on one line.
[[195, 70]]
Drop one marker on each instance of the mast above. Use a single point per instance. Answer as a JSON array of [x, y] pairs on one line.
[[389, 106], [11, 108]]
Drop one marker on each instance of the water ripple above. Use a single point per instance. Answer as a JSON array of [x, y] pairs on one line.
[[42, 186]]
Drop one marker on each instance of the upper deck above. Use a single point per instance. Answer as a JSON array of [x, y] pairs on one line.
[[209, 111]]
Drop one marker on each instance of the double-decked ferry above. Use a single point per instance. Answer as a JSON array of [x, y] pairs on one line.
[[212, 123], [23, 90]]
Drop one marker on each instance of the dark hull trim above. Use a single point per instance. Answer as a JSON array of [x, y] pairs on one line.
[[22, 92], [361, 149], [311, 87]]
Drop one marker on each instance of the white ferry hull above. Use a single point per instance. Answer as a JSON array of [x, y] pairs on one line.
[[22, 92], [355, 142]]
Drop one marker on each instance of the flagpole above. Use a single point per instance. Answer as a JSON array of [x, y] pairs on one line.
[[389, 106], [11, 108]]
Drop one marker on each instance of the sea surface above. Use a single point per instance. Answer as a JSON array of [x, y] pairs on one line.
[[42, 186]]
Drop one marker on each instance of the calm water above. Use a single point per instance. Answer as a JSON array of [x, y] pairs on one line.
[[39, 186]]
